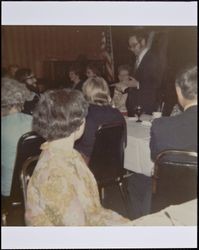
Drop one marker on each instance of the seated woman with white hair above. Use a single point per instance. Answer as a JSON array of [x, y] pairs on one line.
[[13, 125]]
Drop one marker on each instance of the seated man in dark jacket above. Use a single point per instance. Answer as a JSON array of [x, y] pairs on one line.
[[26, 76], [178, 132]]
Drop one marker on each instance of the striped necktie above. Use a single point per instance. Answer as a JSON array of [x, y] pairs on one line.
[[136, 64]]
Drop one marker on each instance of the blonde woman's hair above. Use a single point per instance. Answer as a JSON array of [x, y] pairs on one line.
[[96, 91]]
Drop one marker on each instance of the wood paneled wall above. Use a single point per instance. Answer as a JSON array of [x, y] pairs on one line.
[[29, 46]]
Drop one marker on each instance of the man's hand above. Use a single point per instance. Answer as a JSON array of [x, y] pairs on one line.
[[132, 83]]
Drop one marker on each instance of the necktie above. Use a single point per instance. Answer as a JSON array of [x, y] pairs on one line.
[[136, 64]]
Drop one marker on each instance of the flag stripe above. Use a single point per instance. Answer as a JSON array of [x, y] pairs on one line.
[[107, 54]]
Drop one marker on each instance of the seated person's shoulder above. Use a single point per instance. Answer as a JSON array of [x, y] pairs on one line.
[[93, 110], [159, 121], [166, 121]]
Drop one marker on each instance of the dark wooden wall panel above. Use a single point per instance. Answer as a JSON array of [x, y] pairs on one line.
[[29, 46]]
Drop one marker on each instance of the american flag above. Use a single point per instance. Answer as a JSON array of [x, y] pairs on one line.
[[107, 54]]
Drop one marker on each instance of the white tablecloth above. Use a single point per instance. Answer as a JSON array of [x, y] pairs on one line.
[[137, 153]]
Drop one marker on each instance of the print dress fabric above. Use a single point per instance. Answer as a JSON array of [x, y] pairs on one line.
[[63, 192]]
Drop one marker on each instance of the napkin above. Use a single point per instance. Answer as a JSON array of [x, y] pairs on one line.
[[146, 123], [132, 118]]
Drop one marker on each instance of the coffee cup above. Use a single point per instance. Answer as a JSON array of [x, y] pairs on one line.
[[156, 114]]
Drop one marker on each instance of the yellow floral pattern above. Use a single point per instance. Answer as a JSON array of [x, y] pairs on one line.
[[63, 192], [119, 99]]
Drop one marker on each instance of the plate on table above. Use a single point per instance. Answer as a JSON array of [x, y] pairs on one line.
[[146, 123], [146, 117], [132, 118]]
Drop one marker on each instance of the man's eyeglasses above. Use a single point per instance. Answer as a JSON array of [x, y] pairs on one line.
[[132, 46], [30, 77]]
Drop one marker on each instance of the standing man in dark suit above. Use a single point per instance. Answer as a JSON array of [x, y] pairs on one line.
[[180, 131], [146, 78], [142, 90]]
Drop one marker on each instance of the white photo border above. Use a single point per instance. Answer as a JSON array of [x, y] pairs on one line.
[[99, 13]]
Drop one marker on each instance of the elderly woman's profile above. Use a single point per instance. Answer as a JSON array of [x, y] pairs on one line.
[[62, 190]]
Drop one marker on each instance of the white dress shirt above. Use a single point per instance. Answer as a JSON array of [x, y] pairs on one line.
[[138, 61], [140, 57]]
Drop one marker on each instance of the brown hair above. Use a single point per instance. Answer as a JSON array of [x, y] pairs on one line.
[[59, 113]]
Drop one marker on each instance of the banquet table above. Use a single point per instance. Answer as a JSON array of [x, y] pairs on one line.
[[137, 153]]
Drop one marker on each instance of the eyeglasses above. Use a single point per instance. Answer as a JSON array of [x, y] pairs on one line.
[[133, 45], [30, 77]]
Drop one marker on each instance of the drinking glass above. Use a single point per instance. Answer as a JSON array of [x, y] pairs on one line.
[[138, 112]]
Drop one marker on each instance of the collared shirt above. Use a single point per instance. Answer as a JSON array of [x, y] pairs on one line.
[[195, 103], [150, 39], [140, 57]]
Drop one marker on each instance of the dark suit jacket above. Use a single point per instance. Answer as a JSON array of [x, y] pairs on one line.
[[176, 132], [97, 115], [78, 86], [149, 78], [30, 105]]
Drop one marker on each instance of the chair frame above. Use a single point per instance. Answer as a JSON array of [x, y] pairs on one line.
[[16, 196], [120, 179], [170, 152], [18, 164], [24, 178]]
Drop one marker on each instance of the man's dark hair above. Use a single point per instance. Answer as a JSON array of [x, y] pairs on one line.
[[76, 69], [59, 113], [22, 74], [187, 81], [140, 34], [94, 68]]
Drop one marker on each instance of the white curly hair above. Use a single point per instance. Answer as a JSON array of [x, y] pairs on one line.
[[13, 94]]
